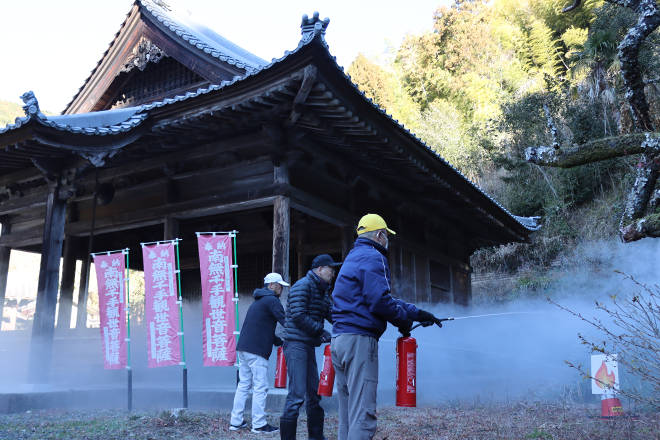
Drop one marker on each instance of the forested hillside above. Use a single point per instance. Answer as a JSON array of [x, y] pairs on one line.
[[491, 79], [9, 111]]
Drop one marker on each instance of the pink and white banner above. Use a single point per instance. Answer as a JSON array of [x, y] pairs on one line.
[[111, 278], [215, 263], [161, 304]]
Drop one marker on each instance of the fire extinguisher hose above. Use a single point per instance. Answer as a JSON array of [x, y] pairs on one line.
[[429, 323]]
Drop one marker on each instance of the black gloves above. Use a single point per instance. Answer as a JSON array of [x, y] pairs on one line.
[[326, 336], [405, 328], [427, 318], [277, 342]]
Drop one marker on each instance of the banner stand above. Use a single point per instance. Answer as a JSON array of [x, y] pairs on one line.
[[129, 371], [177, 272], [183, 347], [232, 235], [125, 280]]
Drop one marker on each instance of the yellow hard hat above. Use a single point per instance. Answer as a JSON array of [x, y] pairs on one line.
[[372, 222]]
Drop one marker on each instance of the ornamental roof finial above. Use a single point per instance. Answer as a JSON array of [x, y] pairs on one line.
[[31, 105], [310, 27]]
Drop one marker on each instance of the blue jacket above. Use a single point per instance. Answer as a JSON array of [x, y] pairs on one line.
[[258, 331], [362, 303]]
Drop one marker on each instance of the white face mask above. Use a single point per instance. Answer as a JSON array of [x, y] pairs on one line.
[[387, 241]]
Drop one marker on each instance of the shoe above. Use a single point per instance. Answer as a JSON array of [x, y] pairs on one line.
[[237, 427], [266, 429]]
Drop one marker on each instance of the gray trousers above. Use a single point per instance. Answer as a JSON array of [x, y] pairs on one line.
[[355, 358]]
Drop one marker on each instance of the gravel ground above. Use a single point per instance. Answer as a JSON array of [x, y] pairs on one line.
[[517, 421]]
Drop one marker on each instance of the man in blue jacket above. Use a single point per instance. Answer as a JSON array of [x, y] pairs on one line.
[[308, 306], [254, 347], [362, 307]]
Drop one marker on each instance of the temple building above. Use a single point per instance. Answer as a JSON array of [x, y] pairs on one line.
[[178, 130]]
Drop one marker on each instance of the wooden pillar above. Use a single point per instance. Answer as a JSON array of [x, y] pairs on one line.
[[281, 226], [68, 282], [5, 253], [347, 241], [302, 258], [171, 228], [43, 326], [81, 318]]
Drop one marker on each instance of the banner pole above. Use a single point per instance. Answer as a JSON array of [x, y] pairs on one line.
[[128, 333], [238, 331], [183, 347]]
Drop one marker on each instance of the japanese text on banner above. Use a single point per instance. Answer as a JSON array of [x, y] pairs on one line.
[[110, 275], [215, 261], [161, 308]]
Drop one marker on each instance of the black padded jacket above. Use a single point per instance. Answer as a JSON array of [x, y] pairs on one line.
[[307, 306]]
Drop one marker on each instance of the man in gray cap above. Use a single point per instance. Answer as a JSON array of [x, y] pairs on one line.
[[253, 349], [308, 305]]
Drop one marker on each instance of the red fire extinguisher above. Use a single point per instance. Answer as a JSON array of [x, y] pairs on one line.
[[327, 379], [406, 366], [280, 369]]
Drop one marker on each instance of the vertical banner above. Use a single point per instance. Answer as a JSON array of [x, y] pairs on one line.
[[161, 304], [110, 275], [216, 263]]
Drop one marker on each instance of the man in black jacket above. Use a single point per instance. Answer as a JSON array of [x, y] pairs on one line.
[[308, 305], [254, 347]]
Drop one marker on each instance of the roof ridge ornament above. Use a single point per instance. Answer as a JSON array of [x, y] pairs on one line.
[[145, 51], [31, 105], [311, 27]]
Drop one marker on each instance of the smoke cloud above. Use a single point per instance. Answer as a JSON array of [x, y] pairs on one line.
[[499, 357]]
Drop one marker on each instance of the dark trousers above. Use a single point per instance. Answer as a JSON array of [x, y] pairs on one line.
[[303, 377]]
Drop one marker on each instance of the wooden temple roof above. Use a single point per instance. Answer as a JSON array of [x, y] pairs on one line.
[[303, 98]]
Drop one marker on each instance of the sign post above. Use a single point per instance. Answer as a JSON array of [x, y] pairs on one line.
[[605, 381]]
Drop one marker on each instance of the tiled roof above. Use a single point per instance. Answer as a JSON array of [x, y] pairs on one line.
[[96, 123], [179, 21]]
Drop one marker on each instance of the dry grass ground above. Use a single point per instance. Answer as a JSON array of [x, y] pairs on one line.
[[543, 421]]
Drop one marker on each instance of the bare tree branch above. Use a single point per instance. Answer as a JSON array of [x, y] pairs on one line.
[[571, 7]]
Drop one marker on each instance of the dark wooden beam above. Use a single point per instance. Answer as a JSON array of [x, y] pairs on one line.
[[305, 87], [43, 326], [208, 150], [205, 206], [68, 282], [321, 209], [171, 228], [330, 247], [23, 203]]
